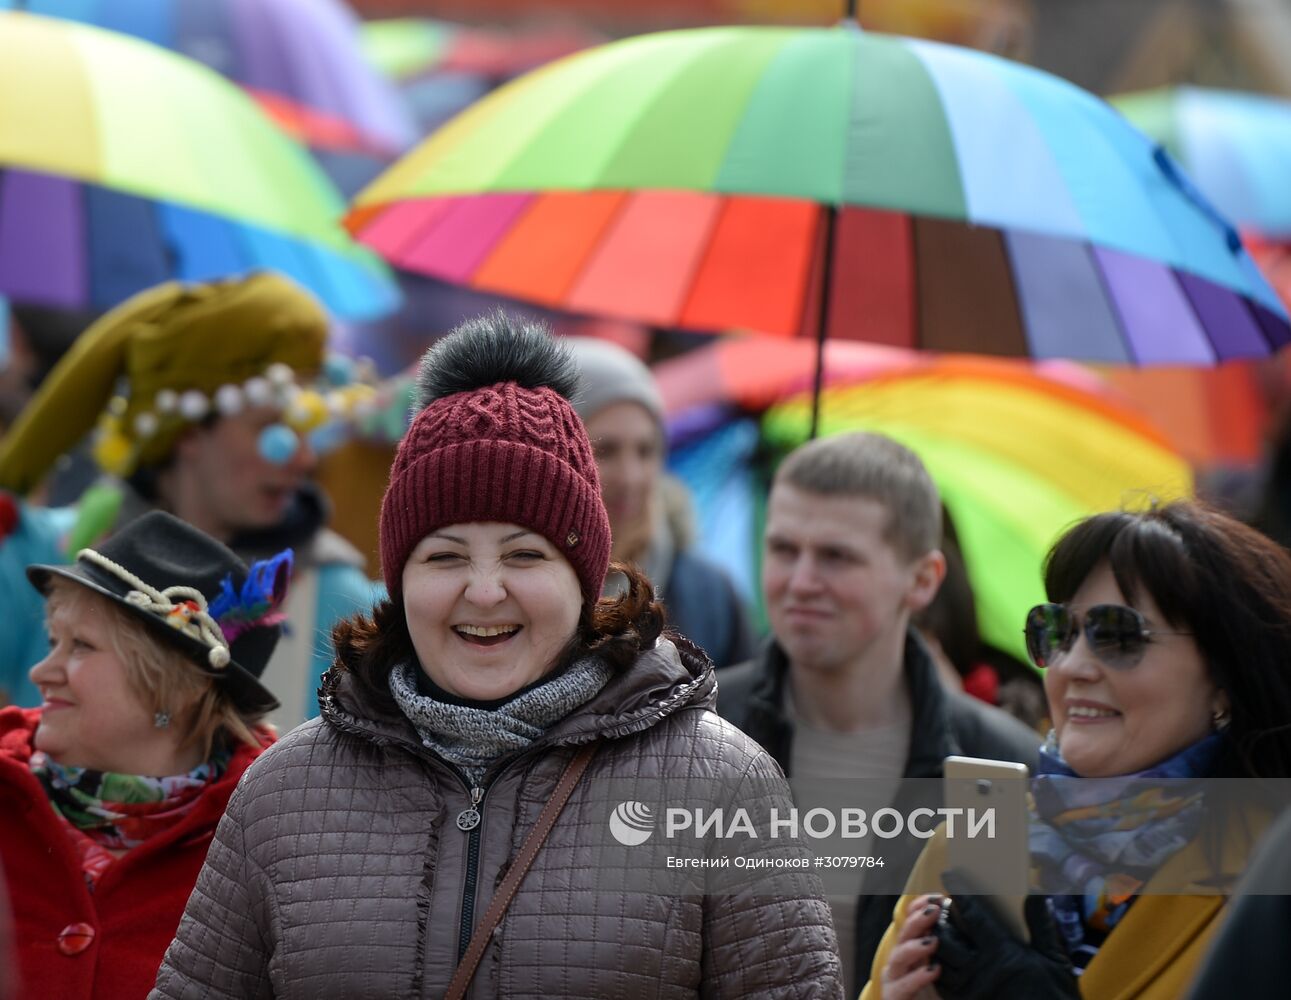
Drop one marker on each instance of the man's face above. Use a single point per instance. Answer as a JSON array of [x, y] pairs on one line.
[[223, 482], [833, 585]]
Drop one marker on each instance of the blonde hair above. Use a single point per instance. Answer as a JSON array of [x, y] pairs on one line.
[[863, 464], [162, 677]]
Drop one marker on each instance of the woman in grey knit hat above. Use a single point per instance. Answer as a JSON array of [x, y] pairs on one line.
[[650, 517]]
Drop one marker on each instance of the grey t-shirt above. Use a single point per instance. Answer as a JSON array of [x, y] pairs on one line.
[[877, 756]]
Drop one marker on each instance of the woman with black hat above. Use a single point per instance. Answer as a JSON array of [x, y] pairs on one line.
[[491, 737], [112, 788]]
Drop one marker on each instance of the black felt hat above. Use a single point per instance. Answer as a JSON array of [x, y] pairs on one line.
[[229, 633]]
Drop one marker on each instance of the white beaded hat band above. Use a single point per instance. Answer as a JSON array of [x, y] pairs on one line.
[[194, 594]]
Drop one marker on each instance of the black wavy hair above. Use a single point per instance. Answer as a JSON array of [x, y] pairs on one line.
[[1224, 582]]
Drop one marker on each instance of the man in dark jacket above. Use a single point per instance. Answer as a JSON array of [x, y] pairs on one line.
[[844, 690]]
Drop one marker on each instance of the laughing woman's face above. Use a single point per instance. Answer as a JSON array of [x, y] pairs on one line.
[[490, 606]]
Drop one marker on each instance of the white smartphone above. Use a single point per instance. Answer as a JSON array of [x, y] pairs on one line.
[[988, 840]]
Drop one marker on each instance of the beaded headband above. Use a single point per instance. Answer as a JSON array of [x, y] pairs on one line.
[[345, 395]]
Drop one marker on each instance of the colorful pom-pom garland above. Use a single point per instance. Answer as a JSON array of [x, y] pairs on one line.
[[345, 394]]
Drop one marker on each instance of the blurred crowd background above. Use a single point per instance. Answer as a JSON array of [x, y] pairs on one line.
[[336, 93]]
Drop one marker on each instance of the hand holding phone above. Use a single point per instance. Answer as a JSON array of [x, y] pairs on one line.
[[987, 839], [981, 959]]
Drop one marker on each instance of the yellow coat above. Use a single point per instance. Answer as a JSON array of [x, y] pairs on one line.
[[1152, 954]]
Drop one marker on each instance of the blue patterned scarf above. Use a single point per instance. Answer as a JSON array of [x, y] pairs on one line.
[[1096, 841]]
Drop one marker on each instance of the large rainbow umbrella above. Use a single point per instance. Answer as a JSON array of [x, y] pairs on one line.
[[1009, 493], [829, 182], [302, 58], [157, 169], [1235, 146]]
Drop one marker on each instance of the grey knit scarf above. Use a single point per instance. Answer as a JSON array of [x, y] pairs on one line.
[[473, 738]]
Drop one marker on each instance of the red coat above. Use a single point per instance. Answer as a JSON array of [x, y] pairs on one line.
[[131, 917]]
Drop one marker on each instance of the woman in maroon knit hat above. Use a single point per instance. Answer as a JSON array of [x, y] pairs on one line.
[[111, 790], [454, 823]]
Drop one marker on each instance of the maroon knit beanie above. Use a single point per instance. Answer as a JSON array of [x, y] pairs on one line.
[[497, 440]]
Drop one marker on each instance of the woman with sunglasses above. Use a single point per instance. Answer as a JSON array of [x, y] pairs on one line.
[[1165, 656]]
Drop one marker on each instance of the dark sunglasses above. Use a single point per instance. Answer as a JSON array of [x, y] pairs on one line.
[[1117, 635]]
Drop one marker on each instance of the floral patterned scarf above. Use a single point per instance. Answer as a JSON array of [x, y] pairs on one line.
[[1095, 842], [105, 812]]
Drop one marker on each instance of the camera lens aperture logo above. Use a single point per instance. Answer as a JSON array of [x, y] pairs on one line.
[[632, 823]]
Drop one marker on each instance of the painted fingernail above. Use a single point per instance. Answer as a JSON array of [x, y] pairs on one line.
[[925, 941], [928, 911]]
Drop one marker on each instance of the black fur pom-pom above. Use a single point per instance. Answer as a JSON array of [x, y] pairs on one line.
[[495, 348]]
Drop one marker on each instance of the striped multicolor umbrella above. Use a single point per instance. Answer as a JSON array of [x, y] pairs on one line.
[[930, 196], [303, 51], [300, 58], [1237, 147], [157, 169]]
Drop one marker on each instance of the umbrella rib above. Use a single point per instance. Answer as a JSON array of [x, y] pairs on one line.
[[916, 292]]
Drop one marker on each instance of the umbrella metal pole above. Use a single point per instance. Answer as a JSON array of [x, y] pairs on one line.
[[822, 317]]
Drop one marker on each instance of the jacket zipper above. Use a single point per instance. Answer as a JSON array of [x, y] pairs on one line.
[[470, 820]]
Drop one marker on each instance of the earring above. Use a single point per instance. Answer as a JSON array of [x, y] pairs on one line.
[[1220, 719], [161, 720]]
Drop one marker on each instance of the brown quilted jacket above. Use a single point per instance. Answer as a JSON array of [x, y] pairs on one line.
[[339, 871]]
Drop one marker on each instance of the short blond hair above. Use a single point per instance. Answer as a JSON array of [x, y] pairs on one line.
[[162, 677], [864, 464]]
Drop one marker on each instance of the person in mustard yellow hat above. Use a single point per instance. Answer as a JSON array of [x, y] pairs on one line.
[[197, 399]]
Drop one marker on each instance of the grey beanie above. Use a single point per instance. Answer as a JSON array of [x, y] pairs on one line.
[[611, 374]]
